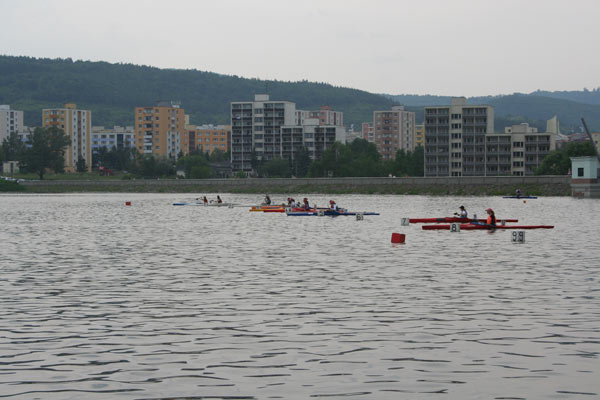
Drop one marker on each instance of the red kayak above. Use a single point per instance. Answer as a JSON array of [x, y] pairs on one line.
[[468, 227], [453, 219]]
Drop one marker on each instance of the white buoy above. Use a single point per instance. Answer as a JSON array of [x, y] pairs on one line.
[[454, 227], [405, 221], [518, 237]]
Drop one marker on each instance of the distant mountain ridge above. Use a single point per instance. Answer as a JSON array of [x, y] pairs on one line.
[[112, 91]]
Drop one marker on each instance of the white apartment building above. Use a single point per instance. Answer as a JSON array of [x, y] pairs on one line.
[[256, 129], [455, 138], [77, 125], [118, 137], [460, 141], [10, 121]]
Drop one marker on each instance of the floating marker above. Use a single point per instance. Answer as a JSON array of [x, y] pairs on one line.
[[398, 237], [360, 216], [127, 203], [524, 201], [518, 237], [405, 221], [454, 227]]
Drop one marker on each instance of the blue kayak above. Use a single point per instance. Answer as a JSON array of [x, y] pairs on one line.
[[519, 197]]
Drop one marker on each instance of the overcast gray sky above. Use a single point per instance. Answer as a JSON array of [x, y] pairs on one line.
[[443, 47]]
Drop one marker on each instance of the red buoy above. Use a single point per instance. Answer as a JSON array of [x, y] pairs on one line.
[[398, 237]]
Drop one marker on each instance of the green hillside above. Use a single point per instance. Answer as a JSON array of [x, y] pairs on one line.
[[112, 91]]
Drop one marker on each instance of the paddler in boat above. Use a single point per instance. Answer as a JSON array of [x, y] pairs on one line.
[[205, 200], [267, 200], [462, 213], [219, 199], [518, 192], [305, 203], [491, 219], [332, 205]]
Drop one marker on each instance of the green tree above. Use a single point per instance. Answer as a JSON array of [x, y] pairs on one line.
[[46, 150], [275, 168], [12, 147], [558, 162], [148, 166], [81, 167], [302, 163]]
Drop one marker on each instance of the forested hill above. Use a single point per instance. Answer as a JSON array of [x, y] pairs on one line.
[[112, 91], [534, 108]]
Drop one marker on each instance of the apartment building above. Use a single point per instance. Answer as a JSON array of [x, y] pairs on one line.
[[117, 137], [160, 129], [393, 130], [455, 138], [518, 151], [324, 116], [314, 137], [256, 130], [10, 121], [77, 125], [419, 135], [207, 138], [460, 141], [368, 133]]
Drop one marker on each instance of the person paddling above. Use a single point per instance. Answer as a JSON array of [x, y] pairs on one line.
[[267, 200], [219, 199], [306, 205], [332, 205], [463, 212], [205, 200], [518, 191], [491, 219]]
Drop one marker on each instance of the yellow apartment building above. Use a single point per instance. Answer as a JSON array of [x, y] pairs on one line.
[[207, 138], [160, 129], [419, 136], [77, 125]]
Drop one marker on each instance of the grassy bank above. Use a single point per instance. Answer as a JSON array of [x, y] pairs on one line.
[[436, 190]]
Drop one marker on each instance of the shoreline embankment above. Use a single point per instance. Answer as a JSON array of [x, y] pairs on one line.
[[475, 186]]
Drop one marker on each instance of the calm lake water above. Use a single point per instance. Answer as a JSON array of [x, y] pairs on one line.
[[103, 301]]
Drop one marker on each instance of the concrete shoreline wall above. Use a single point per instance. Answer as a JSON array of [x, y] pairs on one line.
[[291, 182]]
